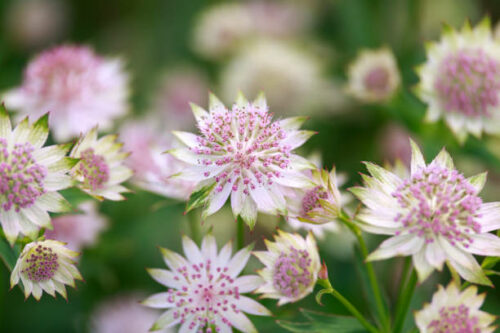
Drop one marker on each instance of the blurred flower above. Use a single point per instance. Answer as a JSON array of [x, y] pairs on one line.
[[454, 311], [205, 289], [178, 89], [101, 167], [30, 176], [461, 80], [152, 168], [222, 28], [394, 144], [242, 153], [78, 230], [434, 215], [496, 31], [290, 77], [123, 314], [35, 23], [374, 76], [78, 87], [45, 266], [292, 267]]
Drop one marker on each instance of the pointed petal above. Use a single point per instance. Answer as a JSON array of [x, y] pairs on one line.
[[239, 261], [5, 125], [166, 278], [401, 245], [417, 159], [485, 245], [158, 301], [250, 306], [422, 266], [248, 283]]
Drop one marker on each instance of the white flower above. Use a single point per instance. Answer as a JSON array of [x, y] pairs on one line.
[[153, 169], [205, 290], [78, 230], [461, 80], [454, 311], [242, 153], [292, 267], [435, 215], [101, 168], [78, 87], [30, 176], [373, 76], [45, 266], [123, 314]]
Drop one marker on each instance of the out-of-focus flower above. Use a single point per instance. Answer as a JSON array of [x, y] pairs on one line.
[[496, 31], [205, 290], [242, 153], [35, 23], [373, 76], [101, 167], [461, 80], [152, 168], [435, 215], [292, 267], [45, 266], [178, 89], [78, 87], [78, 230], [454, 311], [394, 144], [30, 176], [223, 27], [123, 314], [290, 77]]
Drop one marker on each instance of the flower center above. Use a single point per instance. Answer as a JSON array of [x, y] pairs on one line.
[[377, 80], [206, 292], [21, 178], [311, 199], [468, 82], [455, 319], [438, 201], [292, 273], [94, 169], [41, 264], [246, 144]]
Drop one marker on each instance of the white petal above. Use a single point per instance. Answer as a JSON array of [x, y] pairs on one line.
[[485, 245], [172, 259], [296, 139], [248, 283], [166, 320], [250, 306], [417, 159], [240, 321], [422, 266], [401, 245], [191, 250], [158, 301], [209, 247], [435, 255], [189, 139], [490, 216], [239, 261], [166, 278], [217, 199]]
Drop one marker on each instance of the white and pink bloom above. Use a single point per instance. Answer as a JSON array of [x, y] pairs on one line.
[[434, 214], [460, 81], [205, 292], [78, 230], [30, 177], [101, 167], [79, 88], [291, 267], [374, 76], [452, 310], [242, 153], [45, 266]]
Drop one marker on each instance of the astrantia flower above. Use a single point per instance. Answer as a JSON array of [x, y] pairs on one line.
[[454, 311], [461, 80], [435, 215], [45, 266], [292, 266], [101, 168], [78, 230], [242, 153], [78, 87], [373, 76], [30, 176], [205, 291]]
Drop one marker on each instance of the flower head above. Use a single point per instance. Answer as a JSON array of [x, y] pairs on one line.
[[374, 76], [78, 87], [205, 290], [242, 153], [434, 214], [100, 169], [292, 267], [454, 311], [461, 80], [45, 266], [30, 176]]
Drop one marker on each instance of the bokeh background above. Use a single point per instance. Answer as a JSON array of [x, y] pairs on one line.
[[174, 51]]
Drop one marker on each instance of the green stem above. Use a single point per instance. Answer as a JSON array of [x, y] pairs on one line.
[[194, 226], [240, 233], [381, 309], [404, 301]]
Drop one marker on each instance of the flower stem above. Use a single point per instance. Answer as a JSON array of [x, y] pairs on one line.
[[240, 233], [194, 226], [381, 309], [404, 301]]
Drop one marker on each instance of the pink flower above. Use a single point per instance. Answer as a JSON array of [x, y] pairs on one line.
[[78, 87]]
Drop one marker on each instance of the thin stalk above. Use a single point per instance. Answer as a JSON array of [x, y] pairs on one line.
[[194, 226], [240, 233], [404, 301]]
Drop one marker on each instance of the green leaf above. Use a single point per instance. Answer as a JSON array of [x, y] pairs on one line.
[[199, 197], [318, 322]]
